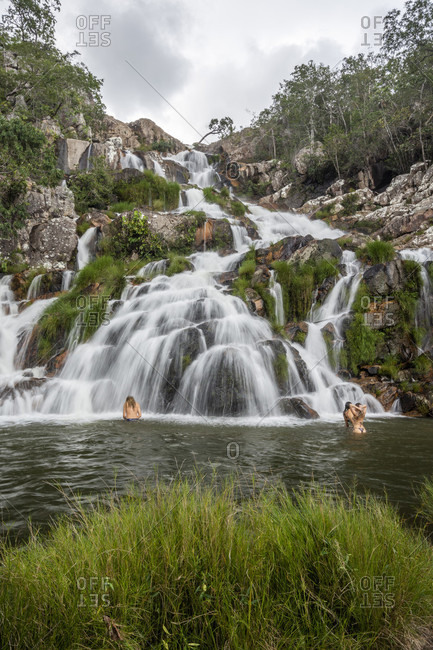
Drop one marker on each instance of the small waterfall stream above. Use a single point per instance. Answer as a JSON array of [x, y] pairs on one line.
[[424, 312], [184, 345], [86, 247]]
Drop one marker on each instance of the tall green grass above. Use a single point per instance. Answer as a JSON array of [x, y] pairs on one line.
[[193, 566]]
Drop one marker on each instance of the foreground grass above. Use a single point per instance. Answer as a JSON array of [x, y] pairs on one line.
[[191, 566]]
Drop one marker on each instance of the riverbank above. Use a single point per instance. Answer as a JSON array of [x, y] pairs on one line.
[[193, 565]]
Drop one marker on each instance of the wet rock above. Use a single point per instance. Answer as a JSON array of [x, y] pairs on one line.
[[297, 332], [301, 367], [260, 276], [20, 388], [329, 331], [56, 363], [282, 250], [189, 344], [208, 328], [327, 249], [384, 279], [255, 302], [297, 407], [227, 278], [214, 234]]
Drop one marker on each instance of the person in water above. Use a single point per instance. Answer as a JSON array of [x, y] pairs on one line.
[[131, 409], [355, 414]]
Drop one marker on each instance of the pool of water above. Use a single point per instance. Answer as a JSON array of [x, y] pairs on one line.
[[45, 463]]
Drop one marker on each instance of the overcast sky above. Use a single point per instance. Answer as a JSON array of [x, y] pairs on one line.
[[209, 59]]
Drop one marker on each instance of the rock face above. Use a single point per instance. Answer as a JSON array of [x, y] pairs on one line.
[[48, 237], [385, 279], [142, 131], [301, 158]]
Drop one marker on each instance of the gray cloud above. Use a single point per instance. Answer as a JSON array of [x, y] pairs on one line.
[[211, 60]]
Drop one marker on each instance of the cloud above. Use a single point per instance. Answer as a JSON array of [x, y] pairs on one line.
[[211, 60]]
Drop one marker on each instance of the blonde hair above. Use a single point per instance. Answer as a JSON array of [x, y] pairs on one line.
[[130, 401]]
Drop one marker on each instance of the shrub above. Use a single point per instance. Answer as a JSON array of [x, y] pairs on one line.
[[238, 209], [362, 342], [147, 189], [122, 206], [350, 204], [178, 264], [131, 234], [298, 282], [377, 252], [24, 154], [93, 188], [390, 367]]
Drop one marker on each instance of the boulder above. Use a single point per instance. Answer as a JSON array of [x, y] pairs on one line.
[[282, 250], [53, 243], [327, 249], [302, 157], [255, 302], [385, 279], [297, 407]]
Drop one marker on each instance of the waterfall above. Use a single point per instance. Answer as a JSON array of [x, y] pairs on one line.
[[158, 169], [89, 153], [86, 247], [15, 329], [184, 345], [277, 294], [201, 173], [152, 268], [424, 311], [67, 279], [131, 161], [34, 290]]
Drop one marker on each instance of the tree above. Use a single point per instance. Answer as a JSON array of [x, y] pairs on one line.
[[31, 20], [223, 127], [24, 154]]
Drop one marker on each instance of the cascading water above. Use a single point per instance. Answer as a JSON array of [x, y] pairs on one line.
[[130, 161], [201, 173], [424, 312], [34, 290], [15, 330], [86, 247], [67, 279], [184, 345], [277, 294]]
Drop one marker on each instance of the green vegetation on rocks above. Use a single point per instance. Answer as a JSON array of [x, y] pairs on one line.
[[289, 570], [24, 154], [149, 190], [100, 281], [298, 282], [376, 252]]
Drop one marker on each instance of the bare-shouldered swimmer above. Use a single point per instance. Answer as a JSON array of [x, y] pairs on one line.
[[355, 414], [131, 409]]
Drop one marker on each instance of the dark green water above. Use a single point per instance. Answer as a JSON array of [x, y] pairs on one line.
[[93, 457]]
